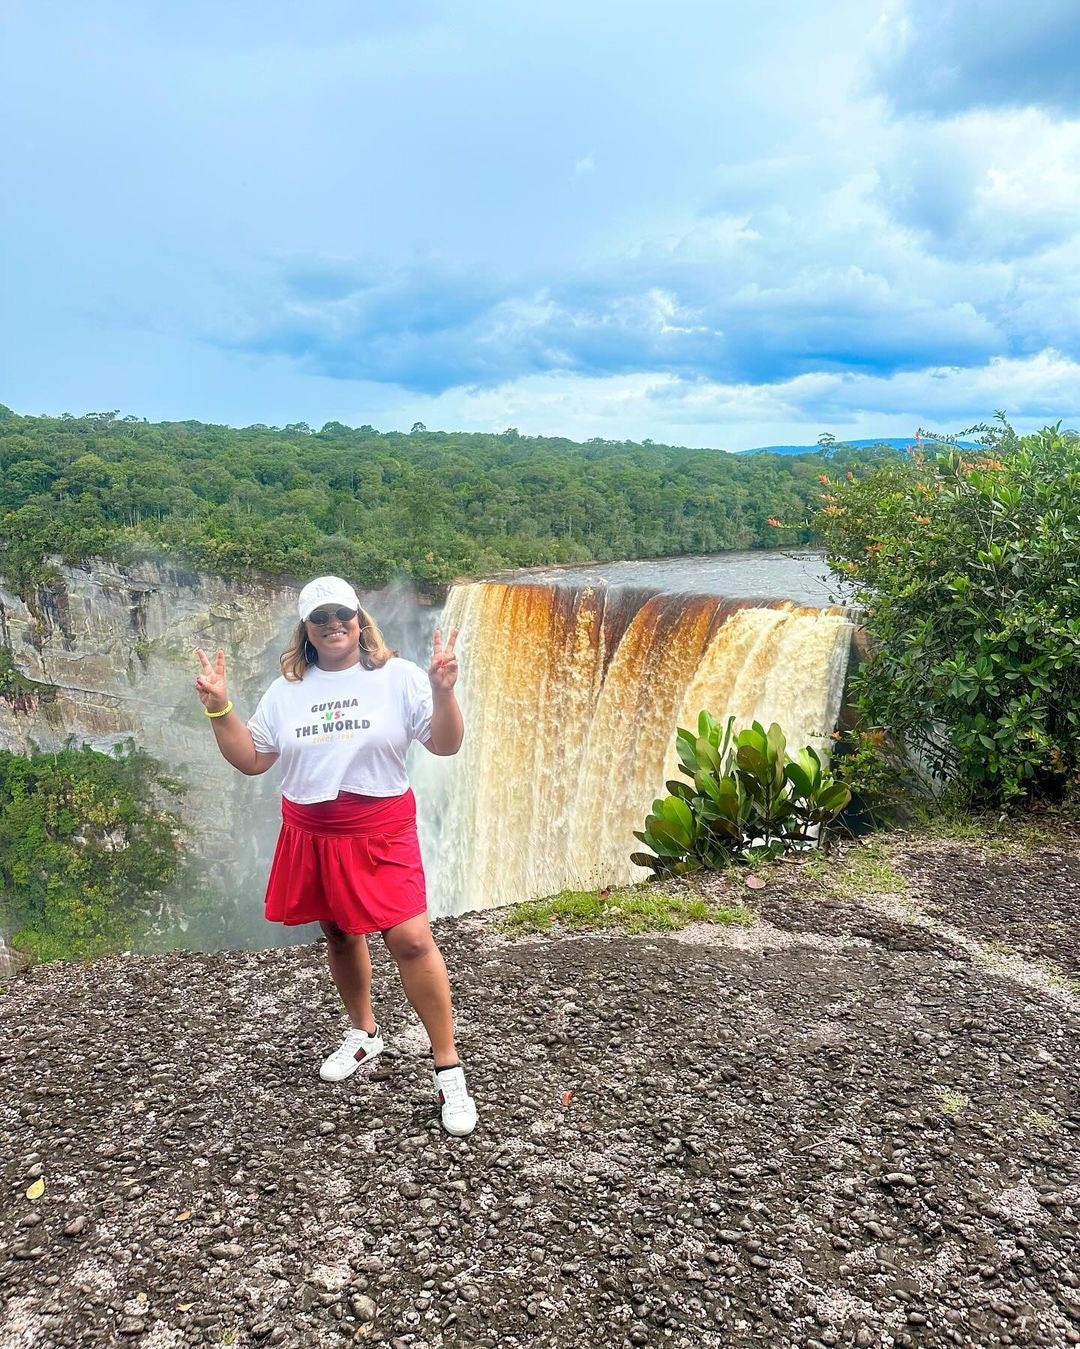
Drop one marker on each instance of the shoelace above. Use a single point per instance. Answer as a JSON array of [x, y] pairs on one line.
[[452, 1086], [355, 1039]]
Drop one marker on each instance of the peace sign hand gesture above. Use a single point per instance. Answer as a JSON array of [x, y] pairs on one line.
[[210, 684], [443, 670]]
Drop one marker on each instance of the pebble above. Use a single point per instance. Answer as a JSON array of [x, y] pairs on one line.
[[228, 1250], [364, 1308], [76, 1226]]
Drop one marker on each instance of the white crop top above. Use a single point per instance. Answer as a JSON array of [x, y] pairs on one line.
[[344, 730]]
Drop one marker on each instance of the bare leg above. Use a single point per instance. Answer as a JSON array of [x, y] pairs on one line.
[[426, 983], [350, 969]]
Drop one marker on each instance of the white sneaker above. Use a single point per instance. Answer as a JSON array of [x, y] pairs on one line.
[[357, 1047], [458, 1107]]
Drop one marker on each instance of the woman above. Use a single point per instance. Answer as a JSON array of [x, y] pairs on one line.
[[341, 719]]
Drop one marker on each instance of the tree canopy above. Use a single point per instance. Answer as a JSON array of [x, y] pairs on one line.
[[369, 504], [88, 843], [967, 565]]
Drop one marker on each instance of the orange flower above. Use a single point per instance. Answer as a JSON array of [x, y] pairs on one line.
[[922, 519], [776, 524], [823, 477], [851, 477]]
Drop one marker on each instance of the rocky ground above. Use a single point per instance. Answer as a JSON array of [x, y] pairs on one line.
[[853, 1123]]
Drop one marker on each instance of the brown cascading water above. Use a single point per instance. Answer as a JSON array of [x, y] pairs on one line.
[[572, 697]]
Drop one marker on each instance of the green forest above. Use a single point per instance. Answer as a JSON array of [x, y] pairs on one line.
[[89, 844], [368, 504]]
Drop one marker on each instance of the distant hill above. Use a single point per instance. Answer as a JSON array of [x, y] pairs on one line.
[[893, 443]]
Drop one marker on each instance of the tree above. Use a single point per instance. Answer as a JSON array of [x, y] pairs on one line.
[[87, 843], [967, 565]]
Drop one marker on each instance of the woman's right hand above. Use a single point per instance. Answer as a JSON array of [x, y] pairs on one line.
[[210, 683]]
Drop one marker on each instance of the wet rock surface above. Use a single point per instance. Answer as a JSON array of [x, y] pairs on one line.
[[1033, 908], [837, 1127]]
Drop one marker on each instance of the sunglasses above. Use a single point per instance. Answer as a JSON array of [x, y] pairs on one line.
[[321, 616]]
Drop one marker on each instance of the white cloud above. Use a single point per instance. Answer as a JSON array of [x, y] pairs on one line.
[[1034, 391], [987, 185], [942, 56]]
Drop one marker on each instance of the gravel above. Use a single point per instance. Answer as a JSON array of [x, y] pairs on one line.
[[840, 1127]]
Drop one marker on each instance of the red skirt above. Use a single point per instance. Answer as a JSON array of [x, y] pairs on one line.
[[354, 861]]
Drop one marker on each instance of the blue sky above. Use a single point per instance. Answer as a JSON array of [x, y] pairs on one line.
[[701, 222]]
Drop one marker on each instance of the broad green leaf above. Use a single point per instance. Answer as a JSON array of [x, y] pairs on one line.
[[707, 754], [677, 811], [670, 831], [833, 799], [777, 741], [754, 738], [753, 761]]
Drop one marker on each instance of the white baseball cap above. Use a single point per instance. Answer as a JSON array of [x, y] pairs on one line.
[[326, 590]]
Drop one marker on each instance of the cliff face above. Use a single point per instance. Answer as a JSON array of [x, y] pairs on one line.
[[113, 651], [117, 647]]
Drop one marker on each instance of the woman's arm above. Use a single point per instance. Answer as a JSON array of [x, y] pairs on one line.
[[232, 736], [447, 726], [237, 747]]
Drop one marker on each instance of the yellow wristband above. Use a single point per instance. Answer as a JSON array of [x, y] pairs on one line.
[[223, 713]]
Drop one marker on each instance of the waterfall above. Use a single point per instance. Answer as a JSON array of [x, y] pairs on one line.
[[572, 696]]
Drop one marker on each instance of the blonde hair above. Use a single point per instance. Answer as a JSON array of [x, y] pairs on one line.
[[299, 656]]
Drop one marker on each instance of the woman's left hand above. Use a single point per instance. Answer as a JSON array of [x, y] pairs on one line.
[[443, 670]]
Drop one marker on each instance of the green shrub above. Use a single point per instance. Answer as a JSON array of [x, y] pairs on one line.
[[967, 564], [750, 799], [86, 848]]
